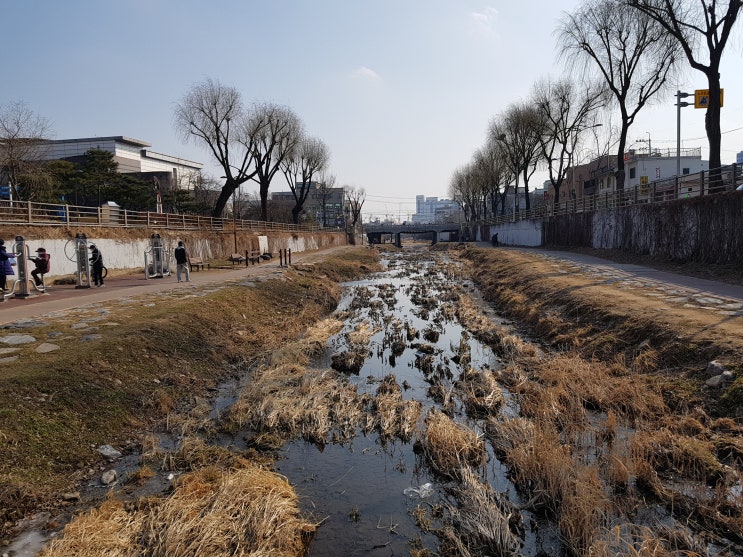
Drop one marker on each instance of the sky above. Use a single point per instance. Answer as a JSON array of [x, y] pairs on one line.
[[401, 91]]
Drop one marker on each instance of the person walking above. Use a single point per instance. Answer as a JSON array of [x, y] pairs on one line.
[[5, 266], [181, 261], [96, 260]]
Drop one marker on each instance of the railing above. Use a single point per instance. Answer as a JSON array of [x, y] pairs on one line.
[[54, 214], [683, 187]]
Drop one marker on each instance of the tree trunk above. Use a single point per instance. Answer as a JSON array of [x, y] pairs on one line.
[[264, 199], [228, 190], [712, 127]]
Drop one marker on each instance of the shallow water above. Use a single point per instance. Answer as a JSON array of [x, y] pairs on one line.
[[357, 490]]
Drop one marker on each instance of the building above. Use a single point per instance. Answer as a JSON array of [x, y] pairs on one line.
[[739, 158], [132, 156], [642, 169], [430, 210], [334, 199]]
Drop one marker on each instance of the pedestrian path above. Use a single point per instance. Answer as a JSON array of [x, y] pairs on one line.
[[690, 292], [63, 297]]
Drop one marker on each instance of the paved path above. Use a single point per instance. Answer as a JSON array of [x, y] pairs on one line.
[[62, 297], [720, 297]]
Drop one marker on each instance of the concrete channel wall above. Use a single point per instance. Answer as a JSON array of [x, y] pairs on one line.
[[126, 249], [701, 229]]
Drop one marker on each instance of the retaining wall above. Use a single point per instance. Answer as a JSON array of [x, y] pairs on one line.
[[125, 249]]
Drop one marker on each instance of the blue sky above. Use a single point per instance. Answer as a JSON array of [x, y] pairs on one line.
[[400, 90]]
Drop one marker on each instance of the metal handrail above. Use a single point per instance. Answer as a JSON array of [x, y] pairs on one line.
[[660, 191], [58, 214]]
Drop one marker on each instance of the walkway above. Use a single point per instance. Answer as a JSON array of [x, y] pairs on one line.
[[63, 297], [692, 292]]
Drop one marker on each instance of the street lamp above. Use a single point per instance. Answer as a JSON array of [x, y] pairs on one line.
[[679, 104]]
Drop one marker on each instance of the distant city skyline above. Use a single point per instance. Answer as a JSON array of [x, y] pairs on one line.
[[401, 92]]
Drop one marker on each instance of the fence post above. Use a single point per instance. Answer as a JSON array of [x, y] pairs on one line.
[[100, 216], [148, 219], [701, 183], [28, 211], [675, 188], [126, 219]]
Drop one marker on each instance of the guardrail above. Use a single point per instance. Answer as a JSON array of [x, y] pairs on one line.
[[55, 214], [683, 187]]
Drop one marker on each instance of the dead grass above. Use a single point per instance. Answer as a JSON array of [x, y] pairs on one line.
[[449, 446], [483, 522], [392, 416], [293, 401], [243, 512]]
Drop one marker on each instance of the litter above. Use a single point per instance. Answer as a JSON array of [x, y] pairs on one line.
[[423, 491]]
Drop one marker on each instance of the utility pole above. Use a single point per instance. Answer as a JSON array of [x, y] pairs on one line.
[[679, 105]]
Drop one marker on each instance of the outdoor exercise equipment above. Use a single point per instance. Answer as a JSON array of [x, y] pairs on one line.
[[156, 259]]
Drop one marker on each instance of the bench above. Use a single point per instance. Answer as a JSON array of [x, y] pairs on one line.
[[236, 258], [196, 263], [253, 256]]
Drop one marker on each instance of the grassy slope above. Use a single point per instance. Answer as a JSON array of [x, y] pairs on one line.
[[56, 408]]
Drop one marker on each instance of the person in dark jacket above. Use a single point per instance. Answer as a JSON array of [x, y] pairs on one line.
[[42, 265], [181, 261], [96, 260], [5, 266]]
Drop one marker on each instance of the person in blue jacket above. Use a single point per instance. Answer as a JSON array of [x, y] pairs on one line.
[[5, 266]]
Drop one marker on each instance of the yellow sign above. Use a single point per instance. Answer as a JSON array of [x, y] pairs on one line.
[[643, 179], [701, 98]]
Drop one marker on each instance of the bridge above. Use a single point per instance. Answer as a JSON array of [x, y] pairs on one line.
[[375, 232]]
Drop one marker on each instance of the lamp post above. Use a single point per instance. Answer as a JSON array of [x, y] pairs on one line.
[[679, 104]]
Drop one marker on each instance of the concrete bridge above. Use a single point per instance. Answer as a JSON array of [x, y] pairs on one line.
[[437, 232]]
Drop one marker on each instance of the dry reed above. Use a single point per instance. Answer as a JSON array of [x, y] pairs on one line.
[[293, 401], [483, 522], [245, 512], [390, 415], [584, 511], [450, 446]]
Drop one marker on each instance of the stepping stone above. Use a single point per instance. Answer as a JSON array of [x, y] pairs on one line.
[[46, 347], [17, 339]]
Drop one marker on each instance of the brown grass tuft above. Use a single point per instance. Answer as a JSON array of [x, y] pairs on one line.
[[244, 512], [449, 446]]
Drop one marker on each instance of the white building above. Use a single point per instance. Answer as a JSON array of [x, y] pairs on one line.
[[429, 210], [132, 155]]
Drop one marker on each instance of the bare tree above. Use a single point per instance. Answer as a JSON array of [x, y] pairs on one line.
[[632, 53], [355, 198], [213, 115], [22, 137], [325, 185], [702, 29], [491, 169], [518, 131], [464, 190], [310, 157], [566, 112], [274, 132]]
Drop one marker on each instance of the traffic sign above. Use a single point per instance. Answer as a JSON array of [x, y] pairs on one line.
[[701, 98]]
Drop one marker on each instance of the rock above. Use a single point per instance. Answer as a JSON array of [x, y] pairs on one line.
[[714, 368], [71, 496], [109, 452], [715, 382], [108, 477], [8, 360], [88, 338], [5, 351], [727, 377], [79, 326], [45, 347], [17, 339]]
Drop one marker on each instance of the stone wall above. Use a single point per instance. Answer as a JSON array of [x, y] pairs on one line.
[[702, 229]]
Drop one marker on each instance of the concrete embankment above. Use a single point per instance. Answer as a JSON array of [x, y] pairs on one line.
[[126, 248]]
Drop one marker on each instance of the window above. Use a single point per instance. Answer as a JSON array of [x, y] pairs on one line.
[[632, 172], [684, 171]]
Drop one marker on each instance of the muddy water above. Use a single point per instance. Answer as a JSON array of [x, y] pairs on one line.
[[368, 493]]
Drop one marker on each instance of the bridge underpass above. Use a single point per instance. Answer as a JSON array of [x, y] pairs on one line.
[[437, 232]]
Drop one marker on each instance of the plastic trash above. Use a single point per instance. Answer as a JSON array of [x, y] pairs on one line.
[[422, 491]]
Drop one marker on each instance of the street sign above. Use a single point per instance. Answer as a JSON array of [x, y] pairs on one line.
[[4, 192], [701, 98]]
